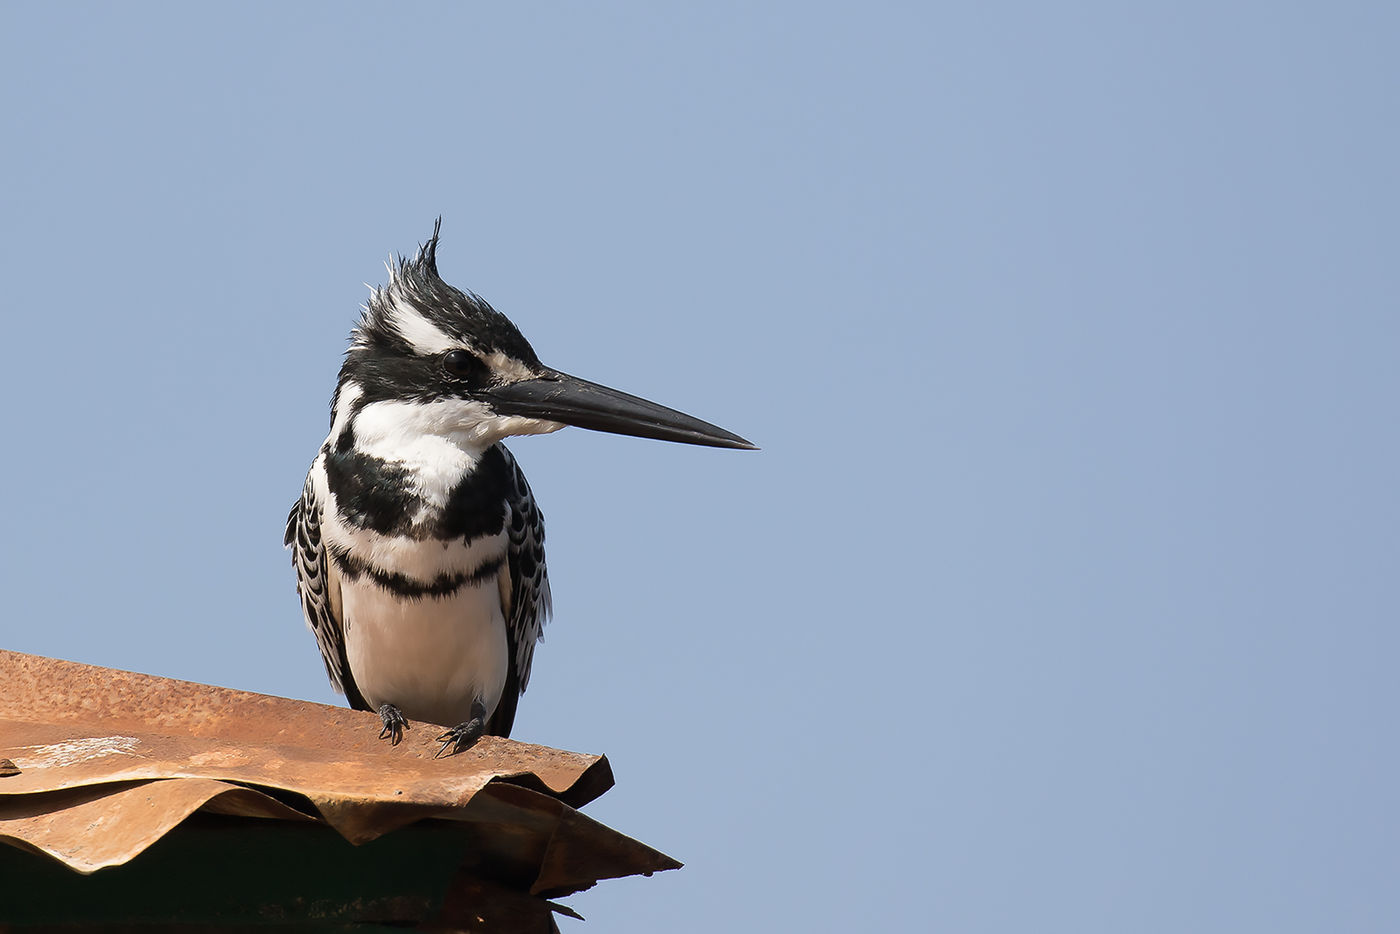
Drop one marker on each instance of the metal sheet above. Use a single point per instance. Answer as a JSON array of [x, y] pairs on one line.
[[95, 826], [65, 724], [106, 762]]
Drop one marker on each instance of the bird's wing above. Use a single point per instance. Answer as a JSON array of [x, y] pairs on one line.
[[318, 585], [525, 596]]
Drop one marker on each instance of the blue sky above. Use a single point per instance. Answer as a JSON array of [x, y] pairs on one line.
[[1062, 594]]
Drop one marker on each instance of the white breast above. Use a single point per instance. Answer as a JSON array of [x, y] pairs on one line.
[[430, 657]]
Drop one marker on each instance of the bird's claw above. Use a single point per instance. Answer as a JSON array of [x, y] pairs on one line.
[[464, 735], [394, 723]]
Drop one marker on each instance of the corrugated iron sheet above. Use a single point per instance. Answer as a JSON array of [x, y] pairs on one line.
[[103, 763]]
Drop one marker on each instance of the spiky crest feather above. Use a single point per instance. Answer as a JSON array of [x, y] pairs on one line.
[[417, 293]]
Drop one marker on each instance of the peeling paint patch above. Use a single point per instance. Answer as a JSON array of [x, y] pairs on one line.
[[73, 751]]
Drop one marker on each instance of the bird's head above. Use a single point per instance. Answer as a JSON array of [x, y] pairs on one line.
[[427, 358]]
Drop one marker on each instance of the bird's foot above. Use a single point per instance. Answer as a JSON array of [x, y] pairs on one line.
[[394, 723], [464, 735]]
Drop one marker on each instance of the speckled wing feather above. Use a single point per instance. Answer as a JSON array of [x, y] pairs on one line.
[[525, 596], [319, 591]]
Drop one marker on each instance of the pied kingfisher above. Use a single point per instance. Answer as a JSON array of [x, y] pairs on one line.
[[418, 547]]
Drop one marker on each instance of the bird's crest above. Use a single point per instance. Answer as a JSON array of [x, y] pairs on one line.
[[418, 313]]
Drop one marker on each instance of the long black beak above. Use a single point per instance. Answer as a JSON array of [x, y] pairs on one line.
[[559, 397]]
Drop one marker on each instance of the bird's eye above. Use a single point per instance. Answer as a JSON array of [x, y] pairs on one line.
[[464, 365]]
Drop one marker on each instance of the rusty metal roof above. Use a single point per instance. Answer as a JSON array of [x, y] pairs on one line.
[[104, 763]]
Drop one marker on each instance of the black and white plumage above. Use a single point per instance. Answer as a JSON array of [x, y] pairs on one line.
[[418, 546]]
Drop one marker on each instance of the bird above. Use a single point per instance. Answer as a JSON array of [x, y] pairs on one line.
[[417, 543]]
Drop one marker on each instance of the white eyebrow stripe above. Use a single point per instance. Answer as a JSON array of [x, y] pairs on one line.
[[422, 335]]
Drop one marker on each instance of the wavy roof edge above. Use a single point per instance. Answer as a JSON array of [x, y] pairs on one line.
[[107, 762]]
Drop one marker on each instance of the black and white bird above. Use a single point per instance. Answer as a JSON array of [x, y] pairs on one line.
[[418, 547]]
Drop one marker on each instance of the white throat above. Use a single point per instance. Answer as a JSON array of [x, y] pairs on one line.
[[439, 442]]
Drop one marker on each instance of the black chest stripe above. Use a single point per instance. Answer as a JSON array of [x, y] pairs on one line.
[[404, 586]]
